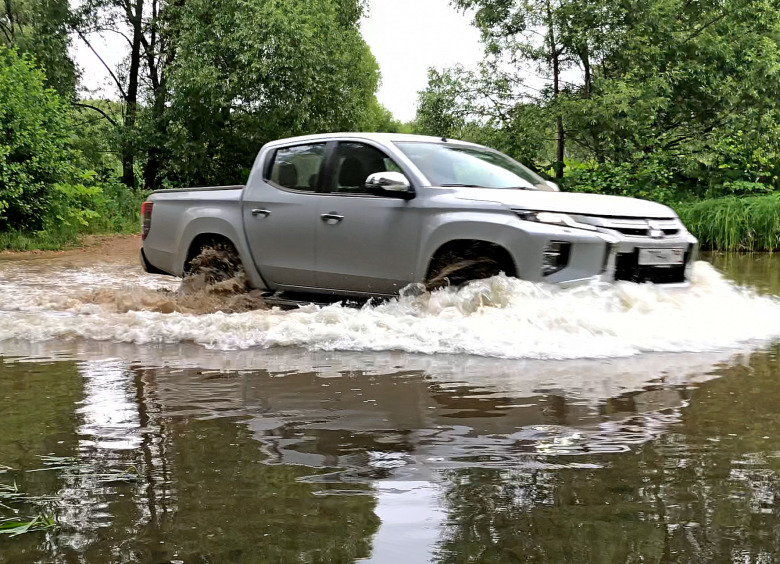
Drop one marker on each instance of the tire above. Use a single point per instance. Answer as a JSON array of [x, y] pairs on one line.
[[214, 264], [456, 266]]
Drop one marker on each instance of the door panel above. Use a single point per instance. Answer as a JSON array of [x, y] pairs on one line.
[[372, 249], [280, 216], [363, 243]]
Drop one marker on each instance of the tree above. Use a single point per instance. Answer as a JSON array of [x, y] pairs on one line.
[[246, 73], [39, 27], [546, 37], [139, 23], [670, 93], [36, 159], [206, 83]]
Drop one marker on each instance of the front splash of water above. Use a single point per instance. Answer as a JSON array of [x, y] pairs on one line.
[[498, 317]]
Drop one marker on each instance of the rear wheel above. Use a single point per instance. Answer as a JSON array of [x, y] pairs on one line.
[[213, 263]]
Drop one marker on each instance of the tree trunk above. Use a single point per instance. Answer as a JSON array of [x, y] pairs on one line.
[[154, 155], [131, 100], [555, 57]]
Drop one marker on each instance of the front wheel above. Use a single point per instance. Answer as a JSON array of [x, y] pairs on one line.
[[458, 265]]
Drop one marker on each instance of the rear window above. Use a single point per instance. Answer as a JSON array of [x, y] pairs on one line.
[[298, 167]]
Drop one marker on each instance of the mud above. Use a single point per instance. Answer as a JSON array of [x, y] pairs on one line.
[[103, 248], [216, 282]]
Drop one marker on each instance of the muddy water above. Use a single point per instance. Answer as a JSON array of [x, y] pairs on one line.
[[506, 422]]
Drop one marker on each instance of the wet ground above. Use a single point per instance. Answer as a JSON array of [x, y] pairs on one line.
[[507, 422]]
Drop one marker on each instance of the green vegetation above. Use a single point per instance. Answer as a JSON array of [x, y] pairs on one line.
[[10, 494], [670, 100], [15, 528], [205, 84], [735, 224], [49, 195]]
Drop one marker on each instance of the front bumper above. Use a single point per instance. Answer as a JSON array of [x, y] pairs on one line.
[[603, 254]]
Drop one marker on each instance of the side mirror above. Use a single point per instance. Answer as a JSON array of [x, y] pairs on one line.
[[390, 183], [553, 186]]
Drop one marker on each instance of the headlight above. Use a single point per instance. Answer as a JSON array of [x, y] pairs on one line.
[[553, 218]]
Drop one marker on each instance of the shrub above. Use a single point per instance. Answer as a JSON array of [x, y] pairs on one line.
[[35, 157], [649, 180], [735, 224]]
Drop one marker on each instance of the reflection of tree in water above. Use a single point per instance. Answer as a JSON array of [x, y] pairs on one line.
[[210, 496], [203, 491], [706, 491], [234, 507]]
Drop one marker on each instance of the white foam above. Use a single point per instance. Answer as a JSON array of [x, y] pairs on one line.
[[500, 317]]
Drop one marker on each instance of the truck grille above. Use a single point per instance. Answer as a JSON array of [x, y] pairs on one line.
[[633, 227], [642, 232], [628, 269]]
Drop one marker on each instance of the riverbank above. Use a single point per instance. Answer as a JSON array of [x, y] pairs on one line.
[[106, 248]]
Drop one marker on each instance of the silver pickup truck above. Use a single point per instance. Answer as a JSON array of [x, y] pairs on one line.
[[359, 214]]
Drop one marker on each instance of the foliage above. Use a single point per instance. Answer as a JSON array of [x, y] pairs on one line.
[[39, 28], [247, 73], [34, 152], [375, 117], [735, 224], [97, 133], [650, 180], [689, 87], [48, 192], [42, 522]]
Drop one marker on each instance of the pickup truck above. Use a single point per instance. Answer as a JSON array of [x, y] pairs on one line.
[[366, 214]]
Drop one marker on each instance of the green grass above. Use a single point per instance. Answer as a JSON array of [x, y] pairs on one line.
[[749, 224], [118, 213], [15, 527]]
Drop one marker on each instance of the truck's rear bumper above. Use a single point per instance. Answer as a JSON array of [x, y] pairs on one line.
[[149, 267]]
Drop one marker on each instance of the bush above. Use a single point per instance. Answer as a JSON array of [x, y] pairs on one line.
[[35, 158], [48, 194], [648, 180], [735, 224]]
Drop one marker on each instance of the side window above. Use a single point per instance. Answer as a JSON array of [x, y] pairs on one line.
[[298, 167], [354, 163]]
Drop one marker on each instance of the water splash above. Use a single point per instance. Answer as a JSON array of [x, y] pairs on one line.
[[499, 317]]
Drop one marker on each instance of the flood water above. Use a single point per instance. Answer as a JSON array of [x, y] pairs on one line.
[[506, 422]]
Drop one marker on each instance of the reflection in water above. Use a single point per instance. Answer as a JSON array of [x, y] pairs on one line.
[[109, 410], [329, 462], [705, 492], [759, 270]]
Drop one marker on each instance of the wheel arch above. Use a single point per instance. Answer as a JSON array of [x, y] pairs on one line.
[[469, 248], [204, 240]]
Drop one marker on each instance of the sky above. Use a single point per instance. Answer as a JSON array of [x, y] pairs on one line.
[[409, 36], [406, 37]]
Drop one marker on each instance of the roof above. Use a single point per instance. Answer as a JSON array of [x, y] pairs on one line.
[[383, 138]]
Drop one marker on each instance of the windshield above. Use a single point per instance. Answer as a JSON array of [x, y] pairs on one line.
[[447, 164]]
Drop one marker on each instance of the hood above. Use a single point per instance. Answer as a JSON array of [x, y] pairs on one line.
[[569, 202]]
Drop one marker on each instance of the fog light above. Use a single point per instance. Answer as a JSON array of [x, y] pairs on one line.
[[556, 257]]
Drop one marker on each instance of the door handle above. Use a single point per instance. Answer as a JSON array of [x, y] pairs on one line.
[[332, 216], [264, 213]]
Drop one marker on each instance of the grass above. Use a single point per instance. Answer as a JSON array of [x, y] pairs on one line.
[[39, 240], [749, 224], [118, 213], [11, 496], [15, 527]]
